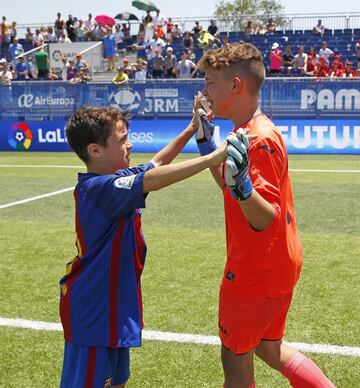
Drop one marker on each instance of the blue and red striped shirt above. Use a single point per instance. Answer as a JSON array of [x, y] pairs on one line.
[[100, 299]]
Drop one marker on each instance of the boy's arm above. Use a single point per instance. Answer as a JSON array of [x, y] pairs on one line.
[[163, 176], [169, 152]]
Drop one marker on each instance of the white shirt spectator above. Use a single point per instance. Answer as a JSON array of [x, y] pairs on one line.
[[326, 53], [156, 43], [140, 75], [159, 19], [38, 39], [6, 76], [184, 68]]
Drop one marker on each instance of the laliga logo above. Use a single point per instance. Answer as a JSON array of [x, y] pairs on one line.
[[125, 99], [56, 55], [20, 136], [26, 101]]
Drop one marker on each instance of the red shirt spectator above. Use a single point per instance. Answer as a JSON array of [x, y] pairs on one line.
[[310, 65], [321, 68], [349, 70], [338, 62]]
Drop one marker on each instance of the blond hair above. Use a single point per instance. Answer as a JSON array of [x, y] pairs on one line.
[[241, 59]]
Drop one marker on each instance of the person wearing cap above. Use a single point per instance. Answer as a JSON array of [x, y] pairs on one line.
[[349, 71], [326, 52], [6, 76], [170, 62], [300, 61], [275, 59], [21, 69], [121, 77], [321, 68]]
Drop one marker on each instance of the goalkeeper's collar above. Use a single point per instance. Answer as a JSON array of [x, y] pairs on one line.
[[246, 123]]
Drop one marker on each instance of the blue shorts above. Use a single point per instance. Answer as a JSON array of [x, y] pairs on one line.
[[94, 367]]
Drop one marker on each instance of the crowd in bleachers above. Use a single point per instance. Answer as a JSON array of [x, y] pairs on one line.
[[163, 50]]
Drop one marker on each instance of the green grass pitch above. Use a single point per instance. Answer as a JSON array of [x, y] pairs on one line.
[[184, 229]]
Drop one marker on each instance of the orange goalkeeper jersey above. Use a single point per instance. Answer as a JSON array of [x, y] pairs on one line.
[[266, 263]]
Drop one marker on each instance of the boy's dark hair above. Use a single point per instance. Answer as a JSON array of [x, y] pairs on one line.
[[92, 125]]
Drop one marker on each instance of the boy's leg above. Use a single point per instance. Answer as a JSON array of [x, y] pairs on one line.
[[238, 369], [296, 367]]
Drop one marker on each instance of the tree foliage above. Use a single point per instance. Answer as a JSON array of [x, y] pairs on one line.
[[235, 14]]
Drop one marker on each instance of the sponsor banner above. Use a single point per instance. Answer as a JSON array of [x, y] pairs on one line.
[[301, 136], [60, 50], [304, 99]]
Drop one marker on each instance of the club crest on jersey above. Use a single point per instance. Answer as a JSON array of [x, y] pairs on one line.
[[125, 182], [108, 383]]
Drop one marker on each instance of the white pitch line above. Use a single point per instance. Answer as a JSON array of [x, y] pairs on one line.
[[185, 338], [36, 197], [63, 166]]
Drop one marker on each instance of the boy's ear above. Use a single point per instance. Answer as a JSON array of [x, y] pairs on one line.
[[94, 150], [236, 85]]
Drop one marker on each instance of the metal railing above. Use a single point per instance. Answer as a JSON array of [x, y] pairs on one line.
[[306, 21]]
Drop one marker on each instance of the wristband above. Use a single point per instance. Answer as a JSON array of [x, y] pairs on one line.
[[205, 146]]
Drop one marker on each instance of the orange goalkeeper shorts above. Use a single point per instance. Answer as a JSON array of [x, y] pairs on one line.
[[245, 321]]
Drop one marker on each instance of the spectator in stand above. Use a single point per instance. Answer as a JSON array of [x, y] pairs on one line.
[[187, 41], [50, 36], [170, 63], [29, 35], [213, 28], [38, 38], [337, 61], [159, 31], [156, 43], [140, 47], [321, 68], [319, 29], [90, 27], [119, 39], [121, 77], [349, 71], [64, 38], [335, 71], [309, 66], [314, 54], [6, 76], [169, 27], [300, 61], [125, 28], [42, 63], [84, 75], [270, 26], [249, 30], [147, 18], [260, 30], [159, 19], [149, 32], [59, 25], [70, 28], [71, 70], [205, 39], [196, 30], [80, 62], [225, 41], [15, 49], [185, 68], [140, 74], [110, 48], [325, 52], [288, 60], [176, 32], [157, 64], [31, 73], [357, 51], [80, 31], [128, 68], [4, 30], [21, 69], [65, 66], [141, 31], [12, 31], [275, 59]]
